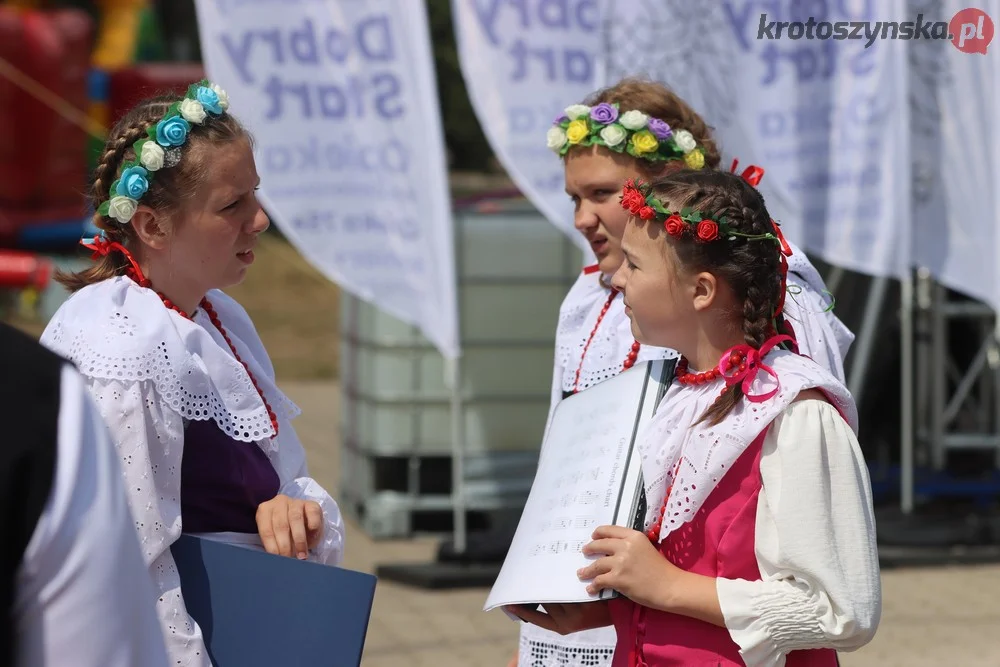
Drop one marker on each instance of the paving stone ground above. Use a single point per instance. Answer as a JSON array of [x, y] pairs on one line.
[[932, 617]]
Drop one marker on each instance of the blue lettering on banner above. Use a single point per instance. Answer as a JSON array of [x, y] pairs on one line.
[[531, 55], [550, 15], [366, 224], [337, 155], [258, 55]]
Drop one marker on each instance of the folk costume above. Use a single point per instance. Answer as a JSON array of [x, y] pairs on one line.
[[203, 431], [594, 340], [750, 501]]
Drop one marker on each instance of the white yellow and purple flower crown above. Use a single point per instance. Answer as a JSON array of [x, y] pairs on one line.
[[162, 147], [632, 132]]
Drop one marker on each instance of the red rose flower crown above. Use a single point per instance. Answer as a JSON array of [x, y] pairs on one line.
[[637, 198]]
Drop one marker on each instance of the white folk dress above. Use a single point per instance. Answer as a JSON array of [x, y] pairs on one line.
[[150, 371], [605, 358]]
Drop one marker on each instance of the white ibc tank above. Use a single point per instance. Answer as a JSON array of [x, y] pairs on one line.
[[513, 270]]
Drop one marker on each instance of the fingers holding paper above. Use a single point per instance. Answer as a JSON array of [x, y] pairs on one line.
[[565, 619], [629, 564]]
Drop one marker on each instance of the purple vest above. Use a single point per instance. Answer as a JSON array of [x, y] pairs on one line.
[[222, 481]]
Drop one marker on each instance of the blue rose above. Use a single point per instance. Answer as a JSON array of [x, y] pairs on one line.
[[172, 131], [209, 99], [133, 183]]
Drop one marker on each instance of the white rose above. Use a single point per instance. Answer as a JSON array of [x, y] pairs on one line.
[[122, 208], [685, 141], [575, 111], [152, 156], [192, 111], [613, 134], [223, 97], [555, 138], [634, 119]]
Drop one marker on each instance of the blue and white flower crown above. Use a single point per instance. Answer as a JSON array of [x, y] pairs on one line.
[[162, 147]]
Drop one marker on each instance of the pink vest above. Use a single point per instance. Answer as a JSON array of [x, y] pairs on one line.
[[718, 542]]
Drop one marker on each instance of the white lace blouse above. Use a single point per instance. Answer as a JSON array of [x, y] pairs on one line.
[[150, 370]]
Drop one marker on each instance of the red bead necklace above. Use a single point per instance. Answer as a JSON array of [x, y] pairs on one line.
[[736, 360], [654, 531], [214, 317], [629, 359]]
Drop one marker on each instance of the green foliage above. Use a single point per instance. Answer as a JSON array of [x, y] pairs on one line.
[[468, 148]]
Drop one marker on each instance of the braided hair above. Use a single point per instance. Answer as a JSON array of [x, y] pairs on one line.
[[166, 191], [751, 268]]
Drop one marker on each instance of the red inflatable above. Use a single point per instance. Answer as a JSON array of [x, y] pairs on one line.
[[19, 270], [43, 158]]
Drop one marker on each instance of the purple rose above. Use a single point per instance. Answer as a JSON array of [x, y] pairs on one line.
[[560, 119], [659, 129], [604, 113]]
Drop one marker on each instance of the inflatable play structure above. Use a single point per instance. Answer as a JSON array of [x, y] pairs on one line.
[[68, 70]]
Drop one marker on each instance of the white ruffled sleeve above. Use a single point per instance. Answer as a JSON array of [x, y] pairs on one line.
[[820, 584], [149, 438], [330, 550]]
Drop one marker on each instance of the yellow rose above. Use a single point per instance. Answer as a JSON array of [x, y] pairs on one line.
[[695, 159], [644, 141], [577, 131]]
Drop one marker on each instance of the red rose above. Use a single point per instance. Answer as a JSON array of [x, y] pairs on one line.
[[674, 226], [632, 200], [708, 230], [647, 213]]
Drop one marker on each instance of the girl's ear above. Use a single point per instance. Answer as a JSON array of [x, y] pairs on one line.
[[149, 227], [706, 290]]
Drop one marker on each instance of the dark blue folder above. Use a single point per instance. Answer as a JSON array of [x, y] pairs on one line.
[[256, 609]]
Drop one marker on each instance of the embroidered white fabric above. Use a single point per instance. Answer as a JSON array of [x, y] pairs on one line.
[[820, 334], [149, 370], [706, 452], [540, 648]]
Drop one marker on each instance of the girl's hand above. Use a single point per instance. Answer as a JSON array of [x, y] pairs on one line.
[[565, 619], [631, 565], [289, 525]]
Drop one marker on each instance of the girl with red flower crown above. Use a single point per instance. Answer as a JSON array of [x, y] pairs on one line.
[[627, 131], [743, 560], [637, 129]]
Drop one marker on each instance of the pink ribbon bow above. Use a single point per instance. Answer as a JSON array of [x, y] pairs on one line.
[[752, 365]]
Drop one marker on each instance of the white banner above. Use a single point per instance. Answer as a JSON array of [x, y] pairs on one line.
[[523, 63], [341, 99], [826, 118], [956, 148]]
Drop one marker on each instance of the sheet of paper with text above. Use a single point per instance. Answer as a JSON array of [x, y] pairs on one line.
[[588, 475]]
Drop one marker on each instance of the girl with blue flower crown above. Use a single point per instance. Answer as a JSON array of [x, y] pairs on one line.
[[639, 129], [181, 376]]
